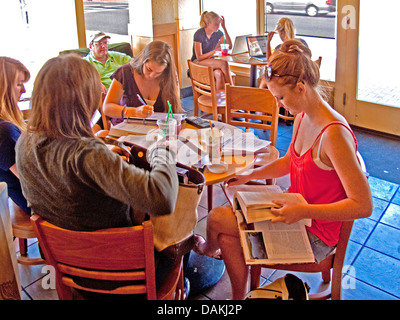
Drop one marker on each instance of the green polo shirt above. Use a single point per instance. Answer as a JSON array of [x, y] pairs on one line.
[[114, 61]]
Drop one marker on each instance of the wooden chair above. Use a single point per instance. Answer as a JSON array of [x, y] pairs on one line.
[[333, 262], [23, 230], [117, 254], [10, 286], [206, 97], [259, 110]]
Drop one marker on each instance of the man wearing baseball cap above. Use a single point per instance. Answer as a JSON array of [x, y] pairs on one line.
[[106, 62]]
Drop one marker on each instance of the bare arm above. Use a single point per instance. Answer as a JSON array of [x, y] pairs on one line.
[[227, 37], [113, 109], [339, 147], [199, 52], [14, 170], [275, 169]]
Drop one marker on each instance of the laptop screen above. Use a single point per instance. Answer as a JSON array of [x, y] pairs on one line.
[[240, 45], [257, 46]]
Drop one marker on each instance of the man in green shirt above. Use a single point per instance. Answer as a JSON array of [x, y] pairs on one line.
[[106, 62]]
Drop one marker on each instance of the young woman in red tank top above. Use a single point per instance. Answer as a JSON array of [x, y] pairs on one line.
[[321, 160]]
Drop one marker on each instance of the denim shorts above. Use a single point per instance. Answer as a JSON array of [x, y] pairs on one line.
[[319, 248]]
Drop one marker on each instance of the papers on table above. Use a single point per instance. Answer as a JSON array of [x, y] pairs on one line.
[[157, 116], [235, 141], [188, 152], [141, 125], [127, 128]]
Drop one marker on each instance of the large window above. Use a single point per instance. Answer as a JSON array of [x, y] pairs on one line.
[[378, 61], [315, 22], [34, 31], [240, 16], [111, 17]]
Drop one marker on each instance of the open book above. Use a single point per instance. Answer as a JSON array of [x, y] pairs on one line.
[[256, 206], [266, 242], [156, 116], [275, 243]]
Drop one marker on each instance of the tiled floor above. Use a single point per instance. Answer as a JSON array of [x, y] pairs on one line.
[[373, 255]]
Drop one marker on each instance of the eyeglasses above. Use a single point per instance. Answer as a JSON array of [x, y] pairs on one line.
[[269, 73], [101, 44]]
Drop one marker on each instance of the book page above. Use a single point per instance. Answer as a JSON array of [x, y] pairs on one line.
[[126, 128], [256, 206], [274, 243], [158, 115], [286, 242], [239, 141]]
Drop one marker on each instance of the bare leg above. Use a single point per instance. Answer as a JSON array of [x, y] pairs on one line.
[[222, 232], [224, 67]]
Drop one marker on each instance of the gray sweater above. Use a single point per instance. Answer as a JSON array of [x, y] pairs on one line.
[[78, 184]]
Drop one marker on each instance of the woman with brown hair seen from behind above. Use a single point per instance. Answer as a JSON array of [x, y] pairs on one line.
[[145, 85], [206, 41], [71, 178], [13, 75], [321, 160]]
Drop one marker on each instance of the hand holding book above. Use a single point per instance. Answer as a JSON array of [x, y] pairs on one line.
[[289, 210]]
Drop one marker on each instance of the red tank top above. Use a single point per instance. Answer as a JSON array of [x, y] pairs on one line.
[[317, 186]]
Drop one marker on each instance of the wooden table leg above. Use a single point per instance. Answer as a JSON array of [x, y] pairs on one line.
[[253, 76], [209, 197]]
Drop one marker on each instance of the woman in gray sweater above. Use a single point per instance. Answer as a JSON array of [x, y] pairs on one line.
[[71, 178]]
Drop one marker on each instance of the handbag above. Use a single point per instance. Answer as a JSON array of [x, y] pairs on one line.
[[288, 287], [173, 233]]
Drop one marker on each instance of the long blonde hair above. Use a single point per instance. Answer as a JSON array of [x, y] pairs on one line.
[[286, 25], [207, 17], [9, 110], [161, 53], [65, 96]]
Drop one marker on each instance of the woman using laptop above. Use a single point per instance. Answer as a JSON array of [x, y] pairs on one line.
[[206, 41]]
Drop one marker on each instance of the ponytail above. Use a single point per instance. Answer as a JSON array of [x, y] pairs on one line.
[[207, 17]]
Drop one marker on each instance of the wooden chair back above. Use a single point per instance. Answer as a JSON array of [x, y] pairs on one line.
[[10, 286], [252, 105], [202, 78], [117, 254], [205, 96]]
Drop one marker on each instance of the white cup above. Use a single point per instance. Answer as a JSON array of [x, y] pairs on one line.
[[213, 143]]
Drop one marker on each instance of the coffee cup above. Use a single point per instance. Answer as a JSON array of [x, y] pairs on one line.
[[224, 49], [213, 143]]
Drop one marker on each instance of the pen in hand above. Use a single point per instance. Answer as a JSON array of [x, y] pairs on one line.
[[141, 100], [146, 113]]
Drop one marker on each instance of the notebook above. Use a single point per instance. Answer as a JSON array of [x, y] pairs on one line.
[[240, 45], [257, 46]]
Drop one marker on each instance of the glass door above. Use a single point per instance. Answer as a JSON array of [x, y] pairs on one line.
[[367, 89]]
